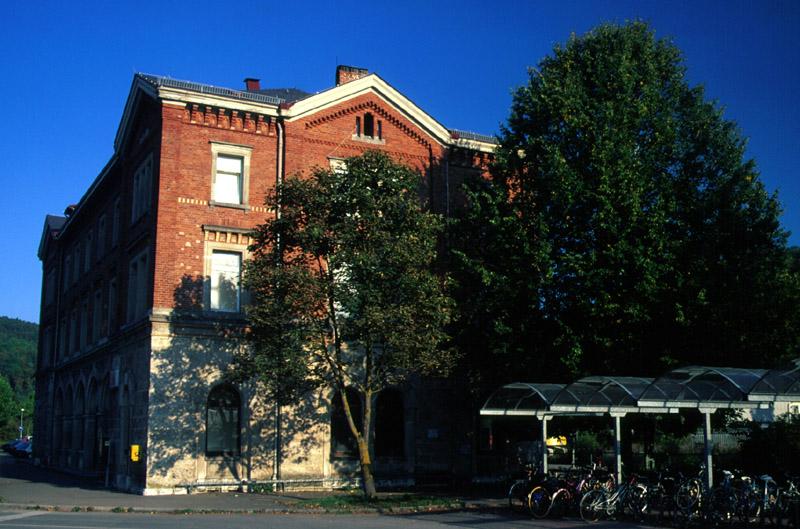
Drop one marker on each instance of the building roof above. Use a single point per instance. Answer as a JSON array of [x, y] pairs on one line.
[[158, 81], [289, 95], [52, 225], [700, 387]]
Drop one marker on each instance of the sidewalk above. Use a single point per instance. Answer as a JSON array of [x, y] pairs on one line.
[[25, 486]]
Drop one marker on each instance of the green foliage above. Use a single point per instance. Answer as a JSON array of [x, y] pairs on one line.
[[772, 448], [623, 230], [18, 341], [8, 409], [344, 292]]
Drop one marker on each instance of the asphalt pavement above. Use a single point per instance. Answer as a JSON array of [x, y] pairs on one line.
[[33, 497]]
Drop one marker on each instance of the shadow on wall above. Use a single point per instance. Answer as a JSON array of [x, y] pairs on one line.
[[203, 427]]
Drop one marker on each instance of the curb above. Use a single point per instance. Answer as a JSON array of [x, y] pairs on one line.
[[454, 507]]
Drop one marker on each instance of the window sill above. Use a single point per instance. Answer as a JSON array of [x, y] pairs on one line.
[[243, 207], [369, 139]]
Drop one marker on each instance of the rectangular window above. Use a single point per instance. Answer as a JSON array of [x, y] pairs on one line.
[[116, 220], [137, 287], [84, 337], [49, 287], [62, 340], [228, 180], [76, 262], [142, 189], [47, 346], [230, 173], [101, 236], [111, 317], [226, 271], [67, 272], [73, 332], [87, 252], [97, 316]]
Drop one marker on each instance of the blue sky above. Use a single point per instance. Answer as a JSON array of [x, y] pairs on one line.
[[67, 68]]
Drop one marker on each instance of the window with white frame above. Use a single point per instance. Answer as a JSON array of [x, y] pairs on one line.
[[225, 281], [230, 173], [137, 286], [142, 189]]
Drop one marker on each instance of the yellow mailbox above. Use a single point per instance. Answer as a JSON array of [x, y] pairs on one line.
[[134, 452]]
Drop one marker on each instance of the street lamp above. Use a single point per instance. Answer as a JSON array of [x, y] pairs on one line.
[[21, 411]]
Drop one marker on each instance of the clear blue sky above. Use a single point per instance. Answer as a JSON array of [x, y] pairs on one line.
[[67, 68]]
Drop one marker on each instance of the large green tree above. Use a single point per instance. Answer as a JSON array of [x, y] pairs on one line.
[[344, 290], [623, 230]]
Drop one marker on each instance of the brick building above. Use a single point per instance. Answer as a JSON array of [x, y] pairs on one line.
[[137, 326]]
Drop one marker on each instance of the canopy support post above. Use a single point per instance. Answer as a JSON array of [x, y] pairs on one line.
[[545, 466], [707, 446], [618, 446]]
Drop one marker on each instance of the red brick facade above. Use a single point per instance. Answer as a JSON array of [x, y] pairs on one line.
[[149, 224]]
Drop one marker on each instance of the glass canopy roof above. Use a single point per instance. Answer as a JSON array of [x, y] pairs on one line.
[[686, 387]]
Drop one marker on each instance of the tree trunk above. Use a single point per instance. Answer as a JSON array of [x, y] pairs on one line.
[[363, 444], [366, 468]]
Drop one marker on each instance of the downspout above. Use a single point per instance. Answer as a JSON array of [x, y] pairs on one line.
[[281, 155], [54, 353]]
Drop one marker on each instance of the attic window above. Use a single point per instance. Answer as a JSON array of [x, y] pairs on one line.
[[366, 129], [369, 125]]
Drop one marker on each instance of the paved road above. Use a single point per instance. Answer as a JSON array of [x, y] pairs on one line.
[[45, 520]]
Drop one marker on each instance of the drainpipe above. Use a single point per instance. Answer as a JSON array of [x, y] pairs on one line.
[[281, 155]]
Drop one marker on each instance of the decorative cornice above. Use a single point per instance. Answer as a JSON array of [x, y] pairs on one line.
[[228, 118], [377, 109], [227, 234]]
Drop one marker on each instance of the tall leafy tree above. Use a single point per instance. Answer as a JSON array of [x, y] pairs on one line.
[[624, 229], [344, 290]]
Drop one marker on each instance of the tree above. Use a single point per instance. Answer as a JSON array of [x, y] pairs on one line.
[[8, 409], [633, 232], [344, 291]]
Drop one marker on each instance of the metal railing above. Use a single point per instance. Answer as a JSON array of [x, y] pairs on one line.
[[168, 82]]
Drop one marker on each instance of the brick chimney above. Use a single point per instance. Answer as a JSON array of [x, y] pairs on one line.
[[345, 74], [252, 85]]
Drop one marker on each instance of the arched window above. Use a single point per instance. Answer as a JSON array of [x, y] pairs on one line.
[[369, 125], [223, 421], [343, 445], [389, 424]]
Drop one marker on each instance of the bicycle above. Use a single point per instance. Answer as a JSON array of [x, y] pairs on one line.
[[520, 490], [629, 499]]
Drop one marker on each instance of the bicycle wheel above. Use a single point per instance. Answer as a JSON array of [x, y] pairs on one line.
[[539, 502], [721, 507], [593, 505], [518, 496], [688, 495], [637, 502], [560, 503]]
